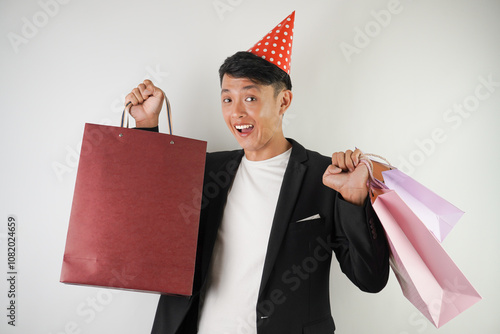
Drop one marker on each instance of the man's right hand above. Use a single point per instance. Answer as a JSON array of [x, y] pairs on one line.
[[147, 100]]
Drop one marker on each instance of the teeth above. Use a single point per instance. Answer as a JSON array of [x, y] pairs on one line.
[[241, 127]]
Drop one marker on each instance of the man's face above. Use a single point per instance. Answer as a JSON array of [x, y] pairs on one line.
[[253, 113]]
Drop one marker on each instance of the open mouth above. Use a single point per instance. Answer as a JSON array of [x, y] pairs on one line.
[[246, 128]]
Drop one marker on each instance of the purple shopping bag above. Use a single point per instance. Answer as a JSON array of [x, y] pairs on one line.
[[435, 212]]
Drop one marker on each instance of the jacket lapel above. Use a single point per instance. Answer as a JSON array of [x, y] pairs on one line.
[[289, 193]]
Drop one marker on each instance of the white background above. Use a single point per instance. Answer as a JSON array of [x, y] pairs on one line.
[[70, 62]]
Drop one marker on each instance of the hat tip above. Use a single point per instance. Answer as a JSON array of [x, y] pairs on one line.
[[276, 46]]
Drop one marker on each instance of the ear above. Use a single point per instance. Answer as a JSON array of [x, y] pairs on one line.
[[285, 98]]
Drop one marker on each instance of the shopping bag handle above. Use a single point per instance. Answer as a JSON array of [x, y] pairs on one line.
[[365, 156], [372, 180], [126, 112]]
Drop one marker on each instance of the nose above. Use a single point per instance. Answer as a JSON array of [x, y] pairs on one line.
[[238, 110]]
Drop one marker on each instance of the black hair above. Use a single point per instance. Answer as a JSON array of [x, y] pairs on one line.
[[244, 64]]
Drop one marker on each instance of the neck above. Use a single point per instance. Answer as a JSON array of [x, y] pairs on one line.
[[274, 148]]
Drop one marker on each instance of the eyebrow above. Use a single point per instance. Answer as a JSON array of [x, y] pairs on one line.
[[225, 90]]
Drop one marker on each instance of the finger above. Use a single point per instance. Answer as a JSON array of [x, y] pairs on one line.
[[151, 89], [366, 169], [356, 156], [148, 82], [348, 160], [154, 91], [131, 98], [143, 90], [138, 95], [338, 160]]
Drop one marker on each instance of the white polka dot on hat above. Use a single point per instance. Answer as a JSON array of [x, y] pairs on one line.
[[282, 36]]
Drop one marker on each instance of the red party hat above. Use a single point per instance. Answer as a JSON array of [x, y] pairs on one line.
[[276, 46]]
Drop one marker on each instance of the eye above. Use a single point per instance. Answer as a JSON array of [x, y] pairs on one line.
[[226, 100], [250, 99]]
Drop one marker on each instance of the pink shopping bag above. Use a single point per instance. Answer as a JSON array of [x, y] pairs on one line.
[[428, 277]]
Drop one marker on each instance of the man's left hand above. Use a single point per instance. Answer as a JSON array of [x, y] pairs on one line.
[[348, 176]]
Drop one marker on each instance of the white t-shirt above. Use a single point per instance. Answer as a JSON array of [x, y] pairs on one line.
[[230, 300]]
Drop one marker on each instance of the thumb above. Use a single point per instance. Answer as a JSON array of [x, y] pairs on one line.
[[333, 170], [331, 177]]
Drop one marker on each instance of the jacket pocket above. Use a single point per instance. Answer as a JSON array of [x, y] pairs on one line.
[[323, 326], [310, 223]]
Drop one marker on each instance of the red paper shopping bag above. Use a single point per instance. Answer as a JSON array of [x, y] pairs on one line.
[[134, 218]]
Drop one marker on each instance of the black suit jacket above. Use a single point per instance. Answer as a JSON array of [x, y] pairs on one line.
[[310, 221]]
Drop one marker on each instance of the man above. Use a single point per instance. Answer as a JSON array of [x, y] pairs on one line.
[[266, 239]]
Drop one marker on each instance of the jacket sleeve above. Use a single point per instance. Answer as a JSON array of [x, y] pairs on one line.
[[154, 129], [361, 245]]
